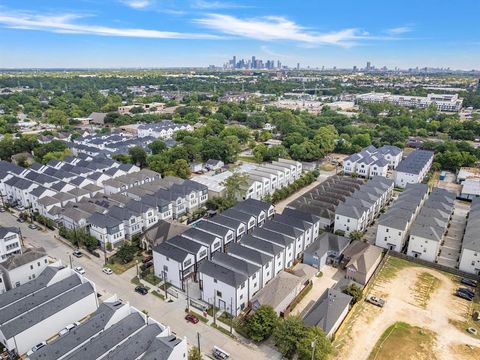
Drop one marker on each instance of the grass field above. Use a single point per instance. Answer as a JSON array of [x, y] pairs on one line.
[[402, 341]]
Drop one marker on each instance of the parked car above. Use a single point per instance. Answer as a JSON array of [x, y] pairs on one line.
[[20, 220], [469, 282], [37, 347], [467, 291], [2, 209], [375, 301], [141, 290], [472, 330], [145, 266], [32, 226], [20, 208], [80, 270], [67, 328], [220, 354], [191, 318], [77, 254], [146, 259], [463, 295], [107, 271]]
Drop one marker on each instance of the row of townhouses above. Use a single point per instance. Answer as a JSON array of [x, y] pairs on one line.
[[114, 201], [262, 179], [470, 256], [372, 161], [233, 280], [443, 102], [394, 225], [431, 225], [161, 130], [363, 205], [60, 307], [414, 168], [323, 199], [10, 242]]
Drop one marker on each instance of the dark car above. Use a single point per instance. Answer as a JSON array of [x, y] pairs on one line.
[[147, 259], [467, 291], [463, 295], [469, 282], [77, 254], [191, 318], [141, 290], [145, 266]]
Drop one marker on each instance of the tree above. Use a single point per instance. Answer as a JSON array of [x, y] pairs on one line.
[[194, 353], [356, 235], [157, 147], [123, 158], [56, 155], [236, 185], [288, 334], [138, 156], [354, 291], [262, 323], [321, 345], [181, 168], [325, 138], [57, 117]]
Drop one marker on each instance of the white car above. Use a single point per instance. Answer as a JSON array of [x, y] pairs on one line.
[[80, 270], [67, 328], [37, 347], [107, 271]]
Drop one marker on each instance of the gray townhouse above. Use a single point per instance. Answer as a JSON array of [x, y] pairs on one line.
[[285, 241], [269, 248], [212, 242], [238, 227], [264, 261], [226, 234]]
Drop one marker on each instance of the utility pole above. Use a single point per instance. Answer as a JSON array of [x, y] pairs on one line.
[[198, 341], [231, 310], [214, 304], [136, 265], [165, 283], [70, 258], [188, 299]]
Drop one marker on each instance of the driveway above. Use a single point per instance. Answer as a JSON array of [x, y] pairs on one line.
[[171, 314], [452, 243], [330, 277]]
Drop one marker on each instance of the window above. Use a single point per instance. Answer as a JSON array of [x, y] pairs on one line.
[[243, 286], [241, 297], [387, 230], [215, 281], [165, 268], [31, 267], [219, 293], [254, 276]]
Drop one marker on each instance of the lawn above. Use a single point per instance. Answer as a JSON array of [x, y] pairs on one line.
[[425, 285], [391, 268], [119, 268], [469, 322], [157, 294], [402, 341]]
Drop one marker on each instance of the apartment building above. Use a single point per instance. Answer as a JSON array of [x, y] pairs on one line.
[[372, 162], [470, 256]]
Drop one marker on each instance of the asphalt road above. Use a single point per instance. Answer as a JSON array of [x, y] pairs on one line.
[[170, 314]]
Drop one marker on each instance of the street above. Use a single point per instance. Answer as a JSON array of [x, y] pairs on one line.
[[169, 313]]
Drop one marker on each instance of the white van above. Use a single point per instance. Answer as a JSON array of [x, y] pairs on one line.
[[67, 328]]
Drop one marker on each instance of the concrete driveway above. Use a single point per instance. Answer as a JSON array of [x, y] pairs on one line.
[[171, 314]]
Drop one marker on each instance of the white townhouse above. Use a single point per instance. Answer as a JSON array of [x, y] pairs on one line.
[[10, 243], [424, 241], [164, 129], [132, 220], [278, 238], [279, 173], [224, 288], [212, 242], [18, 190], [305, 228], [414, 168], [226, 234], [106, 229], [239, 228], [298, 167], [22, 268], [199, 251], [264, 261], [250, 208], [470, 256], [372, 162], [312, 219], [173, 264], [251, 271], [277, 252]]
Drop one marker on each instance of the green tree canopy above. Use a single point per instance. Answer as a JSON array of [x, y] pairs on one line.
[[262, 323]]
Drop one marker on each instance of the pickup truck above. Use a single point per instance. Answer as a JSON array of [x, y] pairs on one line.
[[375, 301]]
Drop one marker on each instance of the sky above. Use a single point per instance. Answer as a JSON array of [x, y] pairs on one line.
[[174, 33]]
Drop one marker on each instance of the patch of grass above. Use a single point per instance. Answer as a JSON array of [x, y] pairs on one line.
[[151, 278], [223, 330], [135, 281], [210, 311], [464, 352], [119, 268], [391, 268], [468, 322], [226, 319], [403, 341], [157, 294], [200, 317], [165, 286], [249, 159], [424, 287], [327, 167], [319, 274]]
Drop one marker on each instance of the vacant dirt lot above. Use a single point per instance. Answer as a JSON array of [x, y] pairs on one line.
[[415, 295]]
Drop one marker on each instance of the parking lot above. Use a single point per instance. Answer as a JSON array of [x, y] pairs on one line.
[[451, 246]]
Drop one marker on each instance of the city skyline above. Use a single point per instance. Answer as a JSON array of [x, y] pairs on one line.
[[197, 33]]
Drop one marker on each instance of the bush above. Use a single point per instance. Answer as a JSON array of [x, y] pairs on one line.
[[354, 291], [262, 323]]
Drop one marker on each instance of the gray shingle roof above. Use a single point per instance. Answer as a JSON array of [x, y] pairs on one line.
[[415, 162], [171, 251], [222, 274], [249, 254], [244, 267]]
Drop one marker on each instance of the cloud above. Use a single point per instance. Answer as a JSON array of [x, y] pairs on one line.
[[279, 28], [137, 4], [399, 30], [202, 4], [65, 23], [270, 52]]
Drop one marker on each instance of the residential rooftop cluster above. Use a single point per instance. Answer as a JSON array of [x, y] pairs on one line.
[[470, 256], [60, 310], [414, 168], [372, 161]]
